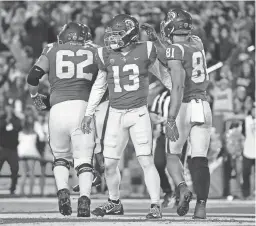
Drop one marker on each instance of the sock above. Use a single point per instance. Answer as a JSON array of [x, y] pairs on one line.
[[151, 177], [113, 179], [201, 177], [61, 174], [85, 184]]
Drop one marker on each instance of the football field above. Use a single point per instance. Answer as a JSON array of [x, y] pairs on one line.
[[44, 211]]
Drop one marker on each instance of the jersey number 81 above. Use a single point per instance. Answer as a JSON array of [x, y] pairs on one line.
[[71, 68]]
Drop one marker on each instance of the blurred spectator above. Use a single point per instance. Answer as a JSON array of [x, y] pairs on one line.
[[249, 154], [222, 98], [10, 127], [28, 153]]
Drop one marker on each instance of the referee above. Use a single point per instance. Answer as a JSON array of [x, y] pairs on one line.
[[159, 112]]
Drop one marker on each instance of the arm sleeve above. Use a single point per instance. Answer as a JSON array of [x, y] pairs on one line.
[[97, 92], [162, 74]]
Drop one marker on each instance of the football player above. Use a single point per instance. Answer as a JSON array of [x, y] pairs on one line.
[[125, 64], [71, 69], [189, 113]]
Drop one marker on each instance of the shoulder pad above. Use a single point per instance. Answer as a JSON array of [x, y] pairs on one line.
[[175, 52], [197, 41], [48, 47]]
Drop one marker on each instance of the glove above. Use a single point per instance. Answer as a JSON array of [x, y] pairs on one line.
[[85, 125], [150, 30], [38, 101], [172, 132]]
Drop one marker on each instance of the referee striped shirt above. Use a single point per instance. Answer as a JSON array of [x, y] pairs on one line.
[[160, 106]]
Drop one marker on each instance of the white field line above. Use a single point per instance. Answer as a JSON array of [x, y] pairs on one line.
[[128, 201]]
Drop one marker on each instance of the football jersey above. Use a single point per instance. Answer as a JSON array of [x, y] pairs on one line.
[[72, 71], [191, 53], [128, 74]]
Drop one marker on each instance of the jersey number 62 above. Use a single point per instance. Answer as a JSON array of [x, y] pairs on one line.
[[71, 68]]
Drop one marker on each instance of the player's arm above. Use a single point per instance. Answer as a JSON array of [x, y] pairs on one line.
[[98, 90], [162, 73], [40, 68]]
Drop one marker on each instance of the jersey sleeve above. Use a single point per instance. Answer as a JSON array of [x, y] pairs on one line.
[[174, 52], [151, 52], [100, 58]]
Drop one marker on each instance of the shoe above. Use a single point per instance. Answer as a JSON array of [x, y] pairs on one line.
[[154, 212], [64, 202], [166, 201], [109, 208], [184, 199], [200, 210], [83, 207]]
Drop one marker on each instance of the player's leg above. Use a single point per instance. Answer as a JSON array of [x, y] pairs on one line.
[[82, 147], [59, 140], [174, 165], [141, 135], [116, 139], [101, 116], [160, 163], [200, 141]]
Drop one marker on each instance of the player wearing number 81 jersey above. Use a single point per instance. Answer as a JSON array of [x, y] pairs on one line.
[[189, 114], [71, 69], [125, 64]]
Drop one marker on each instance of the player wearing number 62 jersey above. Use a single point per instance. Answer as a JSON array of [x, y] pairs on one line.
[[189, 113], [71, 68], [125, 64]]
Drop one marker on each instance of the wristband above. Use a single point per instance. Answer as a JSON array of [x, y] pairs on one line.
[[33, 96], [171, 118]]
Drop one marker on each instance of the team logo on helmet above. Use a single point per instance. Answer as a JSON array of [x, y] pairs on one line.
[[171, 15], [129, 24], [185, 25]]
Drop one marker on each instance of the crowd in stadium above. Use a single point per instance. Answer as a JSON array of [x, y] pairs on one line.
[[227, 30]]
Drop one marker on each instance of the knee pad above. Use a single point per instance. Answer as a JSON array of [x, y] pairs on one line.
[[61, 162], [199, 162], [83, 168]]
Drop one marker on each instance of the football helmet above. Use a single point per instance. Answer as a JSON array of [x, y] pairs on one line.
[[176, 22], [121, 31], [75, 32]]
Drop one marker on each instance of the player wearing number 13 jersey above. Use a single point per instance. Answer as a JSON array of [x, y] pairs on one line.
[[189, 114], [71, 69], [125, 64]]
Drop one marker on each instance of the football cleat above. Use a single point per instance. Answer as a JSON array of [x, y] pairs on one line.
[[83, 207], [64, 202], [154, 212], [200, 210], [166, 201], [185, 198], [109, 208]]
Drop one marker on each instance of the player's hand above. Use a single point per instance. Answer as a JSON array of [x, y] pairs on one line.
[[38, 101], [86, 124], [172, 132], [150, 30], [156, 119]]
